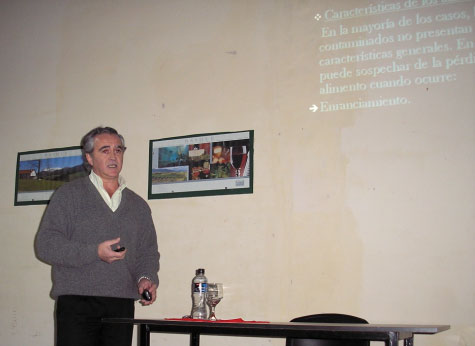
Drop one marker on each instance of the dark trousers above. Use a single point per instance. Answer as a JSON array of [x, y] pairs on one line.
[[78, 321]]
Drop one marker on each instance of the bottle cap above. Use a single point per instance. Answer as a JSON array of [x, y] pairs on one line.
[[200, 271]]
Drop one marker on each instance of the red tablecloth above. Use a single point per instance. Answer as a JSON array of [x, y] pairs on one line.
[[234, 320]]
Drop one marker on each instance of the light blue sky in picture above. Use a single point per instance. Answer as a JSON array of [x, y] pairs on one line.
[[53, 163], [172, 155]]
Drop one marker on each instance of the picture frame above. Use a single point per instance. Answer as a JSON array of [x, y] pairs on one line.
[[39, 173], [201, 165]]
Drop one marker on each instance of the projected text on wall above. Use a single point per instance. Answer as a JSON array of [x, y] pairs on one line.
[[372, 56]]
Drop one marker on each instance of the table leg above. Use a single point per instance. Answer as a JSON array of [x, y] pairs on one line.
[[143, 335], [393, 339], [194, 339], [409, 341]]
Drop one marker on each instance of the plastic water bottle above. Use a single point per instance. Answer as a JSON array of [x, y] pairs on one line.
[[199, 286]]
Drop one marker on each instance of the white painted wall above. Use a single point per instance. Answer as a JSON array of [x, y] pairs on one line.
[[368, 212]]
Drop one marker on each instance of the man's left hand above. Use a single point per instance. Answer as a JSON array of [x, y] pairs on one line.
[[146, 284]]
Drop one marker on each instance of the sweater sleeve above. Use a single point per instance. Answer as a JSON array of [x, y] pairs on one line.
[[53, 243], [147, 263]]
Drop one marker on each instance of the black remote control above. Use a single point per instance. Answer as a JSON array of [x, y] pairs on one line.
[[146, 295], [120, 249]]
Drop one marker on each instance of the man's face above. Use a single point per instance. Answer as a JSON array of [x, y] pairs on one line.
[[107, 156]]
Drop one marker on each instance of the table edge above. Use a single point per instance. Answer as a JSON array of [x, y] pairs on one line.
[[398, 328]]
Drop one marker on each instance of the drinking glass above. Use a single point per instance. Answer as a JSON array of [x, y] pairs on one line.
[[213, 297]]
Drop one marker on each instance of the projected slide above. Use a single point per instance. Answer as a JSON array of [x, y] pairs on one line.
[[378, 55]]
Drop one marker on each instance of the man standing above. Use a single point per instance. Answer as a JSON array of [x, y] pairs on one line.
[[82, 235]]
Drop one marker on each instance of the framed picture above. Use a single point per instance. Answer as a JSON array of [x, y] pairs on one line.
[[201, 165], [40, 173]]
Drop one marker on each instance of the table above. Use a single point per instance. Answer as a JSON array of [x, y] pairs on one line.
[[389, 333]]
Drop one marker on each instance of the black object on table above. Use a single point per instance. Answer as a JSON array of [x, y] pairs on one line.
[[389, 333], [328, 318]]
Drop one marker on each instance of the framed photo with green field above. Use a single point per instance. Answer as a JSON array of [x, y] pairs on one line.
[[39, 173], [201, 165]]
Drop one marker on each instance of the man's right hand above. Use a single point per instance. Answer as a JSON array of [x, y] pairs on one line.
[[105, 252]]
